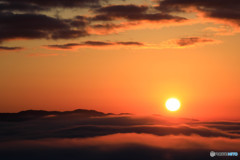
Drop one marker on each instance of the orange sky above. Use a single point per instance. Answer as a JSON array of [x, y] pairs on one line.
[[134, 66]]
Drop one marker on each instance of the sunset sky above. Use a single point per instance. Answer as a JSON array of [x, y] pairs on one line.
[[121, 56]]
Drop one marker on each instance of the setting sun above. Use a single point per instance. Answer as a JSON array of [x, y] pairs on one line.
[[173, 104]]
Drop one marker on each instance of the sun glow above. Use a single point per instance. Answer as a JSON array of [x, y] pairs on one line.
[[173, 104]]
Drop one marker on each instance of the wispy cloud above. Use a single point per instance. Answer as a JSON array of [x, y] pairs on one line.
[[93, 44], [10, 48], [188, 42]]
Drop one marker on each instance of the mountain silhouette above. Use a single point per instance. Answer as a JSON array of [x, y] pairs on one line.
[[36, 114]]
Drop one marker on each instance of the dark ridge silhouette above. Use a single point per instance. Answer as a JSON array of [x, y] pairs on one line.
[[36, 114]]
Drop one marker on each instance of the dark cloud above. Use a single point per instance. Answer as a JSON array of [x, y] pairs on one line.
[[100, 43], [64, 46], [97, 43], [218, 9], [120, 10], [156, 17], [93, 44], [222, 125], [55, 3], [22, 19], [79, 21], [10, 48], [108, 27], [36, 26], [93, 131], [18, 6], [102, 17], [192, 41], [131, 43], [132, 12]]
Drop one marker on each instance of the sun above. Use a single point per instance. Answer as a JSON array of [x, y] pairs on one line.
[[173, 104]]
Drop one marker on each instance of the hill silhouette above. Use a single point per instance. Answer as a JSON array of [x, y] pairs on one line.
[[36, 114]]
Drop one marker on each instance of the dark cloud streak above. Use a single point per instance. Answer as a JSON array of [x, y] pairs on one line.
[[18, 6], [192, 40], [219, 9], [132, 13], [10, 48], [94, 44], [57, 3]]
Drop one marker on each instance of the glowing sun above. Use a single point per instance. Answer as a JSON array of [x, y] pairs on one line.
[[173, 104]]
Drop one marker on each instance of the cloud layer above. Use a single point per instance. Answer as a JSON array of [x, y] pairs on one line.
[[119, 146], [34, 19], [88, 134], [42, 19]]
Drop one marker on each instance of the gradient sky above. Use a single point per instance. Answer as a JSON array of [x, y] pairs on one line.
[[121, 56]]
